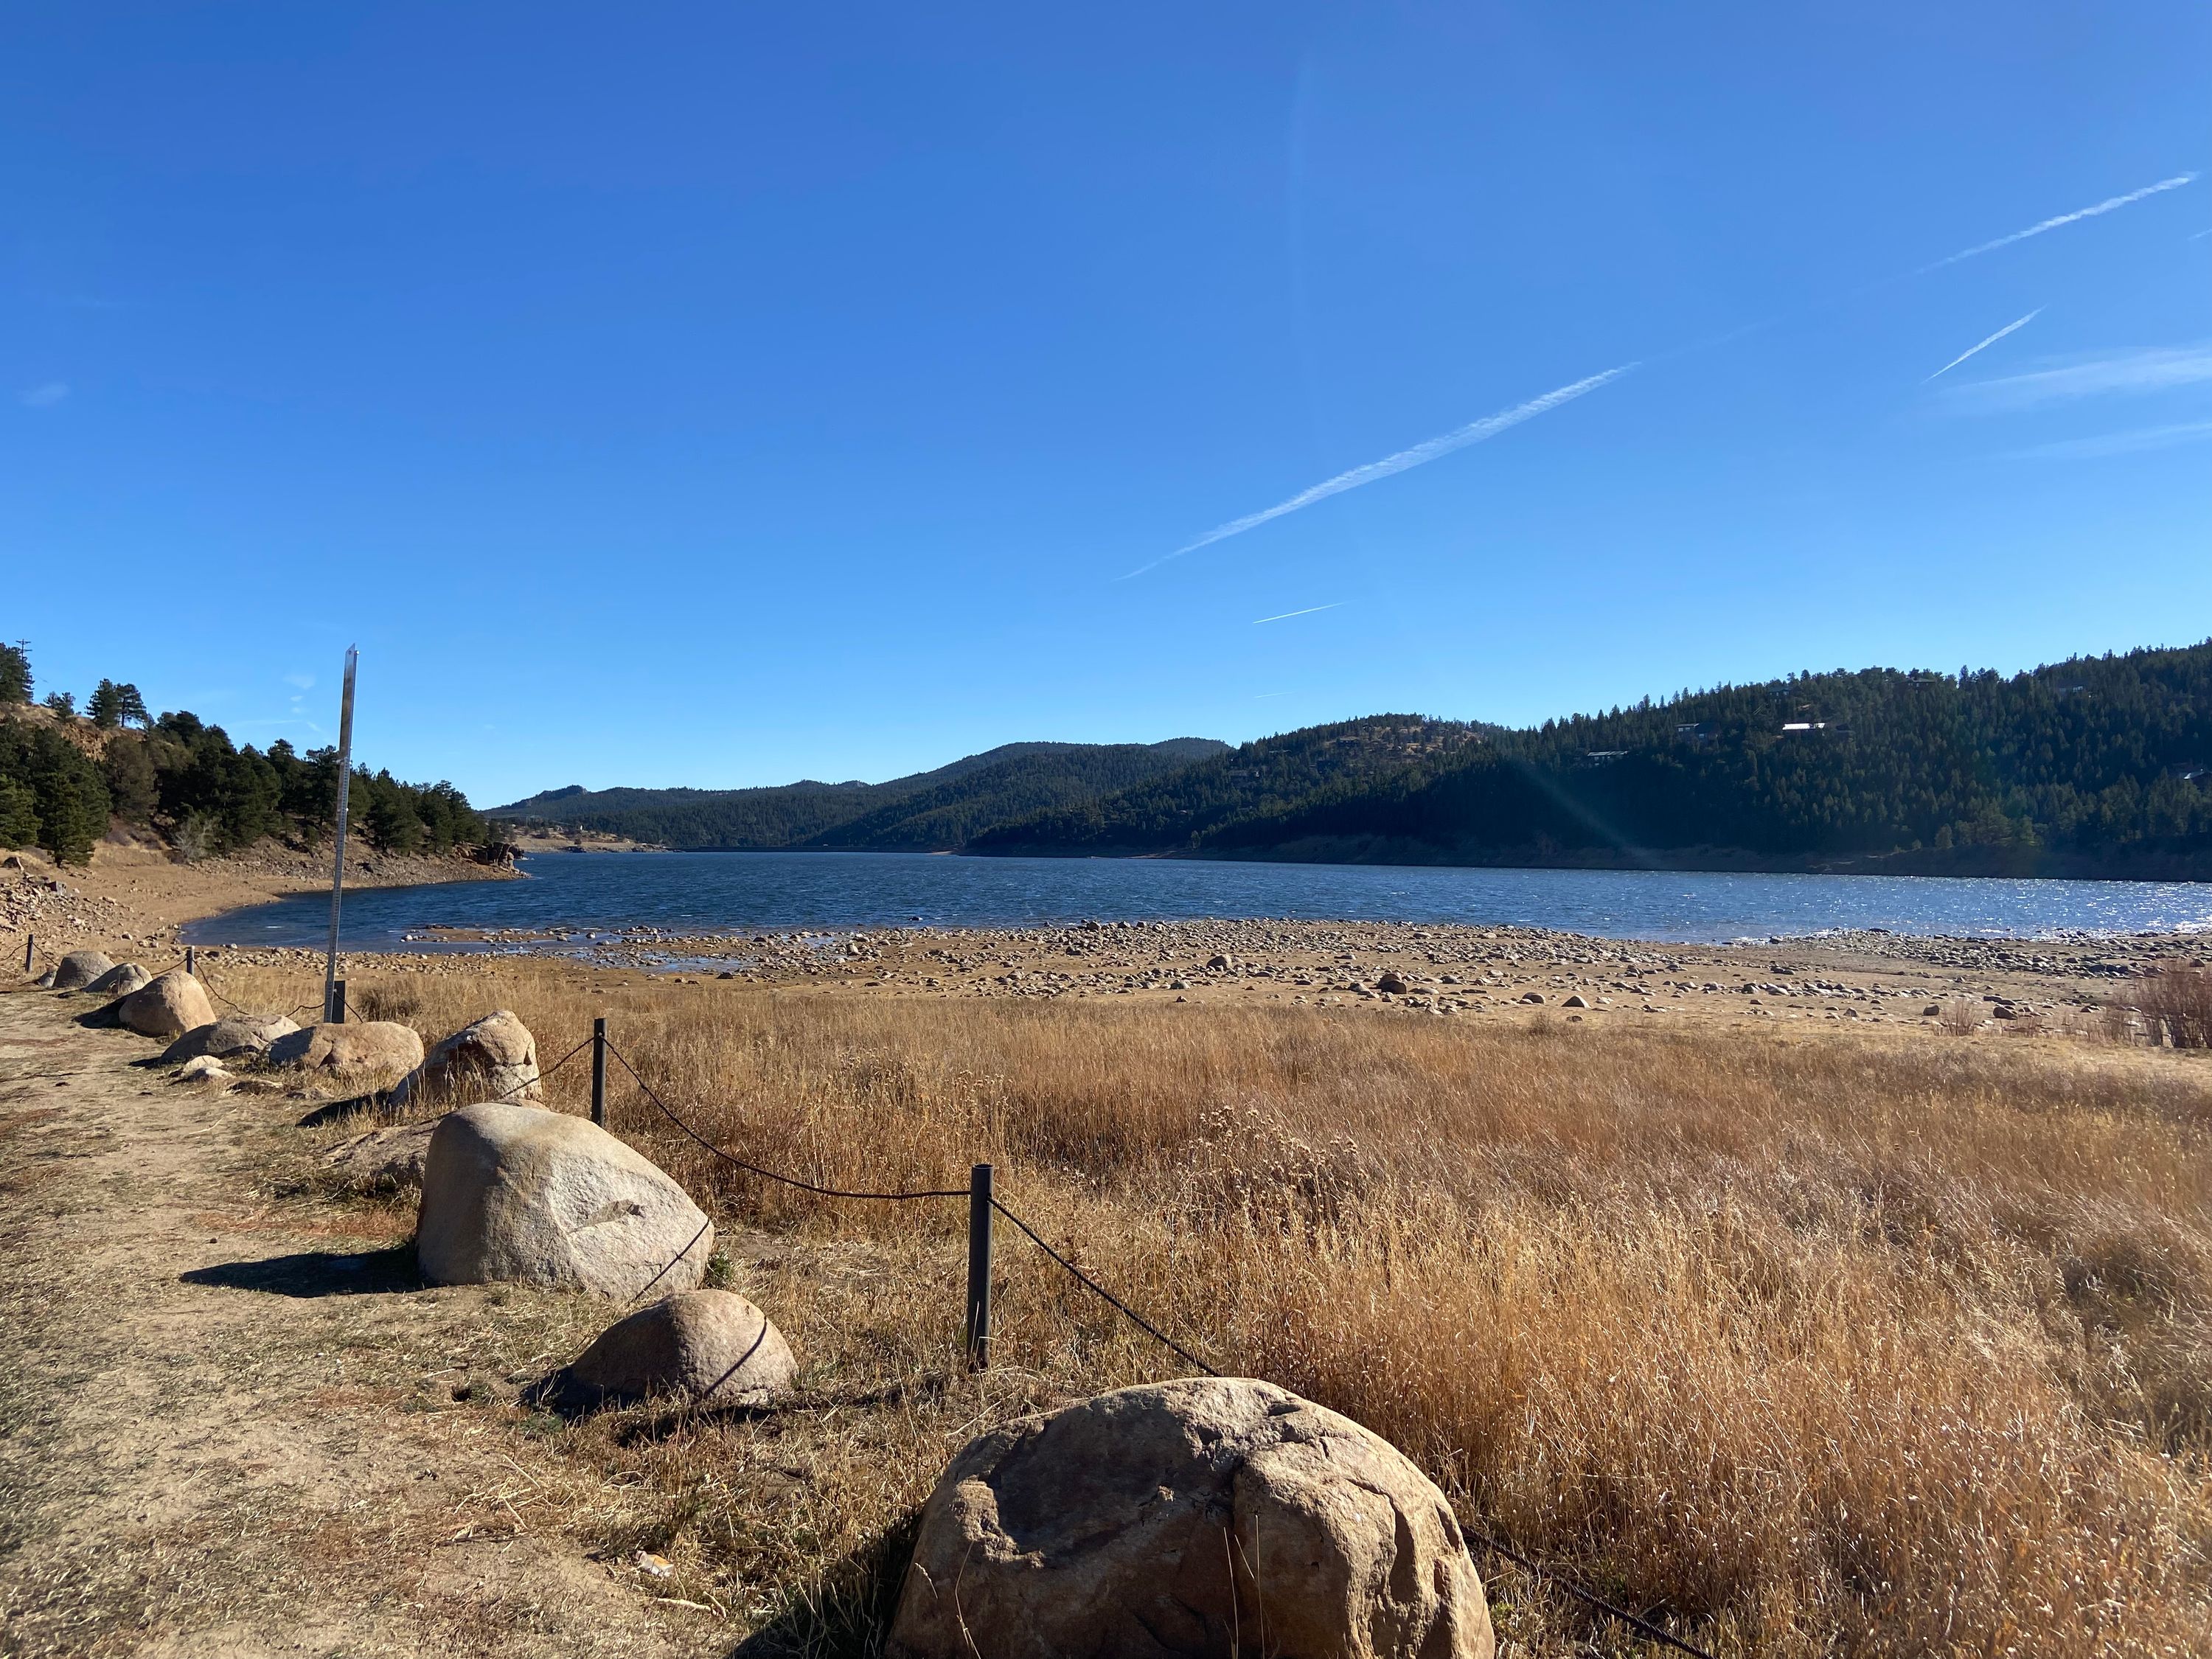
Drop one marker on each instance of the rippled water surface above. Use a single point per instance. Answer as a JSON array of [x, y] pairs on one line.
[[708, 892]]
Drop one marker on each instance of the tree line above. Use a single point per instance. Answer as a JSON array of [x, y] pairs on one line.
[[2096, 761], [66, 780]]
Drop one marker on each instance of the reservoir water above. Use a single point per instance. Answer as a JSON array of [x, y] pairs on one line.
[[782, 892]]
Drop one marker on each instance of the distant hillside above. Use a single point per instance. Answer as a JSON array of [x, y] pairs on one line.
[[935, 811], [2097, 766], [1220, 798], [2093, 766]]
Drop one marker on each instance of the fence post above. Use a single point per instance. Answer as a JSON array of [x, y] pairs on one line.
[[191, 961], [336, 1013], [979, 1267], [599, 1072], [30, 951]]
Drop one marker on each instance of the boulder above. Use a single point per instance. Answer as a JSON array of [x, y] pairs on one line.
[[233, 1034], [367, 1045], [383, 1160], [166, 1006], [519, 1194], [77, 970], [1214, 1515], [1575, 1001], [121, 980], [201, 1067], [702, 1347], [1393, 983], [494, 1059]]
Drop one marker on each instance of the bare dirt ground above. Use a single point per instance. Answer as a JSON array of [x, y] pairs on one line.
[[232, 1421]]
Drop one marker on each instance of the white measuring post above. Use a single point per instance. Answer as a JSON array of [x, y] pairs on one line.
[[338, 865]]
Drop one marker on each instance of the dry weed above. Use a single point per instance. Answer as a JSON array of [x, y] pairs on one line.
[[1862, 1343]]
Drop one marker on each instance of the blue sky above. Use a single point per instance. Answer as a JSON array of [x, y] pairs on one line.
[[718, 395]]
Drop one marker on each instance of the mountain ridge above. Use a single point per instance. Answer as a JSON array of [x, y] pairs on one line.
[[2092, 766]]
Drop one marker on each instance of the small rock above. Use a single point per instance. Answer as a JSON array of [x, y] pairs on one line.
[[355, 1046], [1393, 984], [1531, 996], [704, 1347], [383, 1160], [121, 980], [1575, 1001], [201, 1067], [166, 1006], [78, 969], [233, 1034], [494, 1058]]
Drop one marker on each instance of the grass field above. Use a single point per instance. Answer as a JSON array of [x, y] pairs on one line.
[[1857, 1341]]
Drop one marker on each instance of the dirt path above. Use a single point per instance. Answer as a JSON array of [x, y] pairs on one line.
[[231, 1420]]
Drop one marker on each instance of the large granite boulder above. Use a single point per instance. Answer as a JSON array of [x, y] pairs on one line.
[[519, 1194], [233, 1034], [79, 968], [383, 1160], [168, 1006], [1212, 1516], [367, 1045], [121, 980], [494, 1059], [699, 1347]]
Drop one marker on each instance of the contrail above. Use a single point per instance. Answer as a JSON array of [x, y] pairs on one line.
[[2104, 206], [1287, 615], [1473, 432], [1985, 344]]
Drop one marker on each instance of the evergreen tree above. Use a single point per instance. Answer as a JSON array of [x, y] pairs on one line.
[[15, 672], [114, 704]]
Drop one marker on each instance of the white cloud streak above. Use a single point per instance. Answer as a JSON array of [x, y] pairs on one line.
[[2107, 205], [1473, 432], [2156, 368], [2118, 443], [1985, 344], [46, 396], [1307, 612]]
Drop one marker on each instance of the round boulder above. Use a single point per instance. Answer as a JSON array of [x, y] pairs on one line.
[[1203, 1516], [519, 1194], [702, 1347], [79, 968], [168, 1006], [121, 980], [367, 1045], [494, 1059], [233, 1034]]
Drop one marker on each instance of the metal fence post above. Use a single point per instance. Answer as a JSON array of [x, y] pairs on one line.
[[599, 1072], [30, 951], [191, 961], [979, 1267], [336, 1013]]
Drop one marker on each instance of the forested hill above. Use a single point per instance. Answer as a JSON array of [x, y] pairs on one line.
[[2091, 765], [936, 811], [68, 777]]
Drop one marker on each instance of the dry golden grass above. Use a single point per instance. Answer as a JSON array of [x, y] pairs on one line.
[[1884, 1344]]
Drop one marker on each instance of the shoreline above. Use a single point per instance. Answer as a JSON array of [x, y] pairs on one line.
[[136, 895], [133, 901]]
